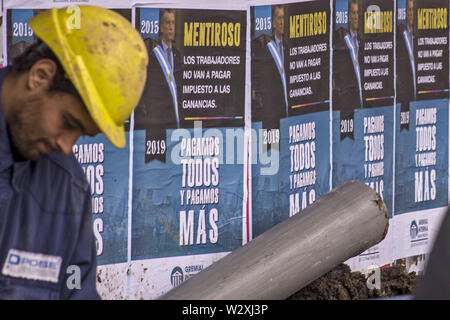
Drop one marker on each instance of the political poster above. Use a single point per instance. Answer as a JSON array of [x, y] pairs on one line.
[[363, 103], [290, 61], [188, 140], [421, 156]]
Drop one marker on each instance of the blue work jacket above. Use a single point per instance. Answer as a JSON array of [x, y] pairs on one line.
[[47, 246]]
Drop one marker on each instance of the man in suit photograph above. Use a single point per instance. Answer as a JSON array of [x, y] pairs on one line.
[[159, 108], [159, 104], [406, 59], [347, 75], [269, 74]]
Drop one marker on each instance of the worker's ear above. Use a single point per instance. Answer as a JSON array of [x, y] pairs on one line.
[[41, 74]]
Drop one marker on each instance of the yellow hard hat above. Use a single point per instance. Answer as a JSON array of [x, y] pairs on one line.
[[103, 56]]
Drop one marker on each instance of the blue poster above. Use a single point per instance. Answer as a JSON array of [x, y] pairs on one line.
[[421, 164], [189, 134], [363, 95], [107, 171], [20, 29], [270, 204], [290, 110], [369, 156], [421, 168], [305, 159], [286, 182], [149, 23], [192, 203], [263, 20]]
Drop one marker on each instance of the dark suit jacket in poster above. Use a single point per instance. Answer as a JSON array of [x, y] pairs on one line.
[[268, 95], [404, 76], [346, 94], [156, 110]]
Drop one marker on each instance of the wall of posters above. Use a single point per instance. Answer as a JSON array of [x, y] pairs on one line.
[[252, 111]]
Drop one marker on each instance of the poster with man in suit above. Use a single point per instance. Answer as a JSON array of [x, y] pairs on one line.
[[362, 104], [290, 109], [188, 139], [347, 79], [422, 132], [159, 108], [406, 81]]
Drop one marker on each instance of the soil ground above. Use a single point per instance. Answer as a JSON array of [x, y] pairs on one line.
[[342, 284]]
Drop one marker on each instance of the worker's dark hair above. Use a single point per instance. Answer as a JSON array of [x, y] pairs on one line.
[[37, 51]]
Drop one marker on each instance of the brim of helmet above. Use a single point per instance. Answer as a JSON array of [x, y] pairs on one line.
[[78, 73], [86, 88]]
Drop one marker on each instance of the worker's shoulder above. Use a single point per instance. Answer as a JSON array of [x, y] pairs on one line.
[[67, 167], [54, 184]]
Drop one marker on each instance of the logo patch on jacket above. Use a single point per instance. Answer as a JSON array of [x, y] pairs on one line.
[[33, 266]]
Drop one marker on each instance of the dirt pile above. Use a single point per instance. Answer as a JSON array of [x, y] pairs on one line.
[[342, 284]]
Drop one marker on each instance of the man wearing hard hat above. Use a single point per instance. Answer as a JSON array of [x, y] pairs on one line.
[[71, 82]]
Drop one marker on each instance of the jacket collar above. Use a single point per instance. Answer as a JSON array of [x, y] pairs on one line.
[[6, 156]]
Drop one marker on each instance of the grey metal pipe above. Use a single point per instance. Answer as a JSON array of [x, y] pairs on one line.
[[341, 224]]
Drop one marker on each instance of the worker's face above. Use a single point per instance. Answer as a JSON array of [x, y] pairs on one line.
[[168, 27], [354, 17], [278, 22], [410, 14], [48, 122]]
